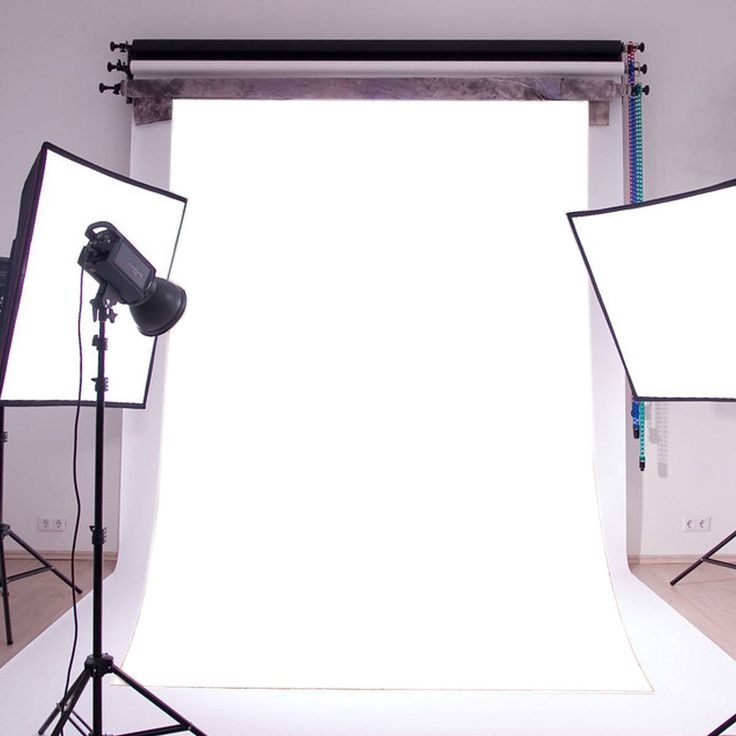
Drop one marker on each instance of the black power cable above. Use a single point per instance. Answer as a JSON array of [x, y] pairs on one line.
[[75, 479]]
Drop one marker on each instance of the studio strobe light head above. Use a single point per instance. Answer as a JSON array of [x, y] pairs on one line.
[[126, 276]]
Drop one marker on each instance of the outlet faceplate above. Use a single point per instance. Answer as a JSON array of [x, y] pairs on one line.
[[51, 524], [695, 523]]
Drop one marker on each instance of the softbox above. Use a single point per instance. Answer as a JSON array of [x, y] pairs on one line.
[[664, 271], [39, 355]]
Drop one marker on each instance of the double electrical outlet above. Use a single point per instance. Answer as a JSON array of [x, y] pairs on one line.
[[51, 524], [696, 523]]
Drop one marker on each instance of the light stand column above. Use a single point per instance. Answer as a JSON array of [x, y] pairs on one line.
[[99, 663], [103, 310], [4, 530]]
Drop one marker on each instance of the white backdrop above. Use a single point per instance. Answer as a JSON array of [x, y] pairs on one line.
[[386, 311]]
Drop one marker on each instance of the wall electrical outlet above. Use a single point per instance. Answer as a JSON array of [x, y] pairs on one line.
[[696, 523], [51, 524]]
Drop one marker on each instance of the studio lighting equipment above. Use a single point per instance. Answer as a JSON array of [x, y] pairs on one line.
[[663, 273], [124, 275], [43, 294], [129, 278], [62, 195]]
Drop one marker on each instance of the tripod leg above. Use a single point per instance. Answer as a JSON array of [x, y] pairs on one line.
[[42, 560], [5, 594], [66, 705], [148, 695], [685, 573], [704, 558], [723, 726]]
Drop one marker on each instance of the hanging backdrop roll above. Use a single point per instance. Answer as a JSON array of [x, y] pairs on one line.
[[389, 326], [159, 71]]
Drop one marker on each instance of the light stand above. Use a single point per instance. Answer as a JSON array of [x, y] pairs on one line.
[[7, 532], [99, 663], [708, 557]]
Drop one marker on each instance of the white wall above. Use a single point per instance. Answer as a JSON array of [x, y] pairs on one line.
[[38, 476], [691, 470], [53, 55]]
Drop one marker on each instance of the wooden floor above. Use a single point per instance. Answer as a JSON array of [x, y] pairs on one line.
[[707, 598], [37, 601]]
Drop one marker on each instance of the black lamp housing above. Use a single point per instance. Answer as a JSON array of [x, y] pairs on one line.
[[156, 304]]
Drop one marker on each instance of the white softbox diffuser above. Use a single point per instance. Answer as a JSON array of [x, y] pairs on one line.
[[663, 272], [62, 196]]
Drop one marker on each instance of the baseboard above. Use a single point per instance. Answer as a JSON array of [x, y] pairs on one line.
[[63, 555], [17, 554], [673, 559]]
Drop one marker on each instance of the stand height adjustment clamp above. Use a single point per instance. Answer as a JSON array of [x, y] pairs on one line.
[[99, 536], [105, 384], [102, 310]]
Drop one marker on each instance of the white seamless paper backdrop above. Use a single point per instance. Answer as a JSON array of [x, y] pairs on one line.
[[377, 467]]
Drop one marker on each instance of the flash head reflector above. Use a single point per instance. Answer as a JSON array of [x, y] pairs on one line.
[[161, 309]]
